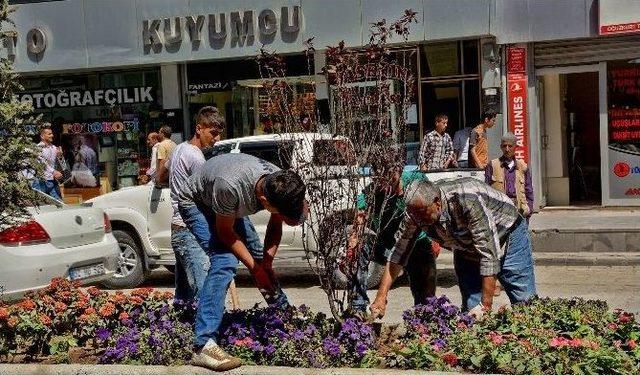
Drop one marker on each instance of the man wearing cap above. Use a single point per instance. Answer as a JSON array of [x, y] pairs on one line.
[[215, 205]]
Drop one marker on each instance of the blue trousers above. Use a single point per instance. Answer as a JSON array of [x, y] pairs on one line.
[[192, 264], [49, 187], [222, 270], [516, 271]]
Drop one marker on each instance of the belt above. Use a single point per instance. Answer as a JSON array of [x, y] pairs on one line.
[[177, 228]]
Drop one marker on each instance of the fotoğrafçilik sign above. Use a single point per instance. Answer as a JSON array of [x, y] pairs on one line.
[[84, 98]]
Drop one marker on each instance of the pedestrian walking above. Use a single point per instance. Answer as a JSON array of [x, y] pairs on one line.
[[214, 205], [437, 148], [481, 225], [511, 176], [192, 262], [478, 144], [49, 154], [461, 146]]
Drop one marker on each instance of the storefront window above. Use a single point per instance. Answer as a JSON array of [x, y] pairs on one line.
[[623, 82], [101, 121], [237, 90], [450, 83]]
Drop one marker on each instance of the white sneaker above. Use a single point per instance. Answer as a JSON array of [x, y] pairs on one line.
[[214, 358]]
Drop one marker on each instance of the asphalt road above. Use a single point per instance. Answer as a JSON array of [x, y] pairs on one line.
[[619, 286]]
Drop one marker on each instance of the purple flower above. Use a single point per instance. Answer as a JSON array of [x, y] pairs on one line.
[[331, 346], [103, 334]]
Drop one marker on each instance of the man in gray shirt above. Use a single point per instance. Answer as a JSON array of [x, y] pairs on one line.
[[192, 263], [213, 205]]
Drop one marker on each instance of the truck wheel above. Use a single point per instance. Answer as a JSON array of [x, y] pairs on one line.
[[375, 276], [130, 271]]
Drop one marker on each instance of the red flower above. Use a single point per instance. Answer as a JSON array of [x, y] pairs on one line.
[[625, 318], [136, 300], [632, 344], [119, 297], [450, 358], [44, 319], [93, 291], [142, 292], [4, 313], [123, 316], [107, 309]]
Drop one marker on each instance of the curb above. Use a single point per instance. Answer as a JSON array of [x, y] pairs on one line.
[[76, 369]]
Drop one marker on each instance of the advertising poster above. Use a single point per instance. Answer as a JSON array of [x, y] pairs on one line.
[[623, 81], [517, 116], [81, 153]]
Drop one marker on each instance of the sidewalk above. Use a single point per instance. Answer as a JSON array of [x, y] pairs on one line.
[[6, 369], [587, 230]]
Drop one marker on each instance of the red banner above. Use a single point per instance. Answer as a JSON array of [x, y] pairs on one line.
[[517, 115]]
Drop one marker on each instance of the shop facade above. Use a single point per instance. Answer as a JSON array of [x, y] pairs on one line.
[[576, 67], [106, 82]]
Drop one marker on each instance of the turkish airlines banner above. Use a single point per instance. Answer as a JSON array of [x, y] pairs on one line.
[[619, 16], [517, 116]]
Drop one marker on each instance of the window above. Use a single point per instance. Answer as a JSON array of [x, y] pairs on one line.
[[278, 154]]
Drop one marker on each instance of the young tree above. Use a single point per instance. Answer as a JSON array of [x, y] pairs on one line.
[[371, 90], [17, 149]]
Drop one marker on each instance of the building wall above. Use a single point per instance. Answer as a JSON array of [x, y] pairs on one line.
[[87, 34]]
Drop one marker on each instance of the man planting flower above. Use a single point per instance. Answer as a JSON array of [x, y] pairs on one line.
[[482, 226]]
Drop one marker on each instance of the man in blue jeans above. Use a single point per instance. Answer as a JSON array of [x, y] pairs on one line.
[[483, 228], [192, 263], [214, 205]]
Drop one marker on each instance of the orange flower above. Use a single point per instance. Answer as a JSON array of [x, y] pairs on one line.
[[136, 300], [93, 291], [60, 307], [89, 311], [119, 297], [12, 321], [142, 292], [27, 305], [632, 344], [123, 316], [44, 319], [168, 295], [107, 309], [4, 313]]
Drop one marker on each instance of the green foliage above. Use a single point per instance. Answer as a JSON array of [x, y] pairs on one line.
[[18, 150]]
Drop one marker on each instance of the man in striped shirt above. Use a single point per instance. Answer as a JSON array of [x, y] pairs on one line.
[[483, 228]]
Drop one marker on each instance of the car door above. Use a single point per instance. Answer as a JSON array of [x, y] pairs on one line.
[[159, 213], [279, 155]]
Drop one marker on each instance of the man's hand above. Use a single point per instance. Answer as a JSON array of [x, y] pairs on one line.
[[435, 248], [378, 308], [143, 179], [57, 175], [488, 290], [262, 278]]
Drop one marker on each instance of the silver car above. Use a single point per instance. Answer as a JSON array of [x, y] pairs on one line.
[[72, 242]]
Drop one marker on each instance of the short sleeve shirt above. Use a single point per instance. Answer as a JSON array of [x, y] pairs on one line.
[[184, 161], [478, 140], [164, 149], [226, 184]]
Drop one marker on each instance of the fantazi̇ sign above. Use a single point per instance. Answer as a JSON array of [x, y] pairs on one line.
[[100, 127], [83, 98], [241, 26]]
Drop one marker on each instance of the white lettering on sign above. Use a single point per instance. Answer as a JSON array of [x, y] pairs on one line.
[[83, 98]]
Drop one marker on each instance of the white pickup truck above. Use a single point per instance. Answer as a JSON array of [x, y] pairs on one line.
[[141, 215]]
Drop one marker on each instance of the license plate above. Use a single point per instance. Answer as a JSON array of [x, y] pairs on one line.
[[86, 271]]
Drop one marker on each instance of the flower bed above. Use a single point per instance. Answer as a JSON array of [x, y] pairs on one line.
[[63, 324]]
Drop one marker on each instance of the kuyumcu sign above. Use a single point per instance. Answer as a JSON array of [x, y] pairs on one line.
[[83, 98], [239, 27]]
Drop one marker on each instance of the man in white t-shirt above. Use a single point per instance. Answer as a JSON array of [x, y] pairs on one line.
[[192, 263]]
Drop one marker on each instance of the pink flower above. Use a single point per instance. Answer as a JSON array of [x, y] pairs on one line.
[[574, 343], [617, 344], [244, 342], [612, 326], [557, 342], [496, 338]]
